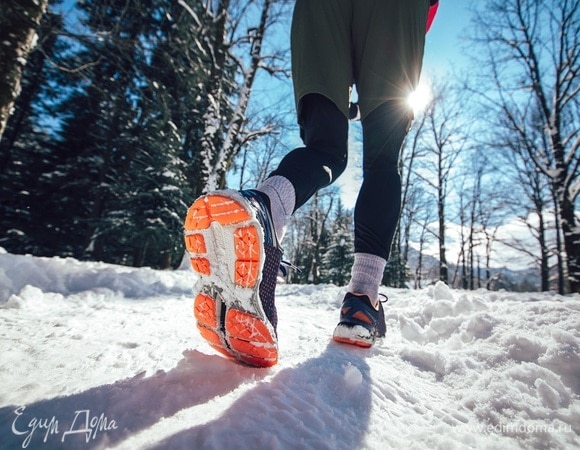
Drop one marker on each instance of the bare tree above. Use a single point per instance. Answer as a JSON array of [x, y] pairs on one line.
[[259, 158], [466, 204], [307, 235], [19, 20], [533, 191], [410, 201], [530, 73], [484, 209], [444, 140], [491, 212], [220, 142], [424, 217]]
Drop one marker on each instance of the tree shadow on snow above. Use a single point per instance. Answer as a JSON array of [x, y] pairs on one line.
[[324, 403], [133, 404]]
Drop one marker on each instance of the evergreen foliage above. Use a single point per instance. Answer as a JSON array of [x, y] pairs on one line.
[[27, 153], [145, 91], [338, 255]]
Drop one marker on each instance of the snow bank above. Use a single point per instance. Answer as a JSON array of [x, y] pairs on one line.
[[512, 360], [68, 276], [456, 369]]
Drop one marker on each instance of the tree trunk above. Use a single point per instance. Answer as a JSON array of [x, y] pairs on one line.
[[559, 252], [571, 235], [544, 254], [18, 22], [217, 160], [443, 268], [213, 96]]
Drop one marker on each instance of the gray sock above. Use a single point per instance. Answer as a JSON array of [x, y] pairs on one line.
[[282, 197], [366, 275]]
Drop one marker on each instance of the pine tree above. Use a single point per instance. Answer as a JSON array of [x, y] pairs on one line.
[[338, 258], [152, 199], [27, 153], [126, 131], [396, 271], [125, 156]]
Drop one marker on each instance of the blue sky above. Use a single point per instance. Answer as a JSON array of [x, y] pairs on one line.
[[445, 48]]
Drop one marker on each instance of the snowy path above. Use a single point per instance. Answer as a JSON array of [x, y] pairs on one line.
[[118, 346]]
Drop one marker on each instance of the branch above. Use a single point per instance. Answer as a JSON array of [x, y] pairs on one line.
[[190, 11]]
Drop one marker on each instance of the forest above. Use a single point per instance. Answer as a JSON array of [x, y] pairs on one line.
[[116, 114]]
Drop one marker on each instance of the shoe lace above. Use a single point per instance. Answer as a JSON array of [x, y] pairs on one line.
[[285, 265], [381, 328]]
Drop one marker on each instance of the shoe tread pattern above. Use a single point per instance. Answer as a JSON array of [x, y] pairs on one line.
[[242, 333]]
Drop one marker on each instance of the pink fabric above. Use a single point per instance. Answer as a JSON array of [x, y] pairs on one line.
[[431, 16]]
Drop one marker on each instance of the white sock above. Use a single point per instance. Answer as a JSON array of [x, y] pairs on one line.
[[282, 197], [366, 275]]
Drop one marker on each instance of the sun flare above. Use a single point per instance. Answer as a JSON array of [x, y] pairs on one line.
[[420, 98]]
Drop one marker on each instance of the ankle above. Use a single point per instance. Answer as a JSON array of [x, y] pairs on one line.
[[282, 199], [366, 276]]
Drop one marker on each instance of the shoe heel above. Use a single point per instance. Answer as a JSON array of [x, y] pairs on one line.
[[246, 337], [251, 339]]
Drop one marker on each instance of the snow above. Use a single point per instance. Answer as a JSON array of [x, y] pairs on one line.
[[103, 356]]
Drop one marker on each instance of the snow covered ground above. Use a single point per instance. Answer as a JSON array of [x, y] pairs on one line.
[[102, 356]]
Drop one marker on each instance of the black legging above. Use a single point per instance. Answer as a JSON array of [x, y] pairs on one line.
[[324, 130]]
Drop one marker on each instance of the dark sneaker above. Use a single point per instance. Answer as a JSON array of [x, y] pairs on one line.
[[360, 323], [233, 247]]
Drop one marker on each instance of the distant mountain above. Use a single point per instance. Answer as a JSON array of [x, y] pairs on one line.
[[501, 278]]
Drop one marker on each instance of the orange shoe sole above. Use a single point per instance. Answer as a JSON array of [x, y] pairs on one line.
[[224, 242]]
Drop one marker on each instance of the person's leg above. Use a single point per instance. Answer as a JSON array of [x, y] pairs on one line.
[[388, 40], [231, 236], [305, 170], [385, 73], [322, 76], [379, 200], [376, 216], [324, 129]]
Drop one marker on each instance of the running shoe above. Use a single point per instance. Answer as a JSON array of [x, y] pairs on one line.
[[360, 322], [233, 248]]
